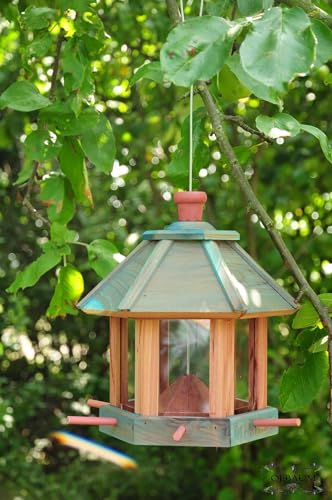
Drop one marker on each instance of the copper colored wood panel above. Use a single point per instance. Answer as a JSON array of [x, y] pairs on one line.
[[124, 360], [164, 355], [257, 363], [147, 348], [115, 363], [222, 368]]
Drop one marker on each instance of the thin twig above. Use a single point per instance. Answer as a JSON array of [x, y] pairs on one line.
[[239, 121], [255, 205], [56, 65], [34, 212]]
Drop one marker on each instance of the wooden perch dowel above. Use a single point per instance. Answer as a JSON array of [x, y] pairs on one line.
[[178, 434], [277, 422], [74, 420], [94, 403]]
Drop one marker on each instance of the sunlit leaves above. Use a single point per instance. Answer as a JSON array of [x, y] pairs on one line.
[[307, 316], [23, 96], [101, 260], [178, 169], [280, 46], [36, 18], [99, 145], [300, 384], [34, 271], [260, 90], [68, 290], [41, 145], [197, 49], [284, 125], [151, 71], [72, 164]]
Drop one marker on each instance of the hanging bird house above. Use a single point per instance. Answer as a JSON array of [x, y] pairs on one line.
[[188, 281]]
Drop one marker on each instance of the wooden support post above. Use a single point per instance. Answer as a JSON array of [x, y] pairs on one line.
[[118, 361], [222, 367], [257, 363], [164, 355], [124, 360], [147, 345]]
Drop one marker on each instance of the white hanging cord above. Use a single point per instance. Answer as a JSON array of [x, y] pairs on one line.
[[201, 8], [182, 10]]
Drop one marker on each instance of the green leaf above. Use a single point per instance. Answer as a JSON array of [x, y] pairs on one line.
[[259, 89], [307, 316], [284, 125], [323, 36], [34, 271], [72, 164], [152, 71], [230, 87], [74, 66], [300, 384], [197, 49], [100, 253], [41, 145], [323, 141], [58, 196], [60, 234], [249, 7], [178, 169], [218, 7], [309, 340], [99, 145], [36, 18], [68, 124], [24, 174], [23, 96], [40, 45], [280, 46], [279, 125], [67, 292]]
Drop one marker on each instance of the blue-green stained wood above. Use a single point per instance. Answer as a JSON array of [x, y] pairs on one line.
[[200, 431], [190, 231], [242, 429]]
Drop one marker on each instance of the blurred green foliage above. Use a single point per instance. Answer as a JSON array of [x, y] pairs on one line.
[[50, 367]]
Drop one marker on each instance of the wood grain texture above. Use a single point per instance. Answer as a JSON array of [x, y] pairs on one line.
[[115, 362], [257, 363], [222, 368], [207, 432], [164, 356], [147, 346], [123, 360]]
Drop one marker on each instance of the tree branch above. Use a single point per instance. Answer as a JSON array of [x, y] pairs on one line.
[[254, 204], [311, 9], [241, 123]]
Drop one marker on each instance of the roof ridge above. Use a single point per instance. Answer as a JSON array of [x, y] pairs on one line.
[[143, 277]]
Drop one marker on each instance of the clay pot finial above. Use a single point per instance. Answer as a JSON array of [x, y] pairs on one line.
[[190, 205]]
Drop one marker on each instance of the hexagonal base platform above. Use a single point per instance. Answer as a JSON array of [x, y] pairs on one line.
[[200, 431]]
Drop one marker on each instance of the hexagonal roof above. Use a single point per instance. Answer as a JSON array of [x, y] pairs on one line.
[[189, 269]]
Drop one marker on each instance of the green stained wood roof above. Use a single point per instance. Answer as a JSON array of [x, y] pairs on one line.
[[196, 270]]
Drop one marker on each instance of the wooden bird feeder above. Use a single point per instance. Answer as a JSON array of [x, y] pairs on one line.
[[187, 276]]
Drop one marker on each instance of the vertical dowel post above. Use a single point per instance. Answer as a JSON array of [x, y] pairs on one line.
[[124, 360], [164, 355], [118, 361], [222, 367], [147, 346], [257, 363]]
